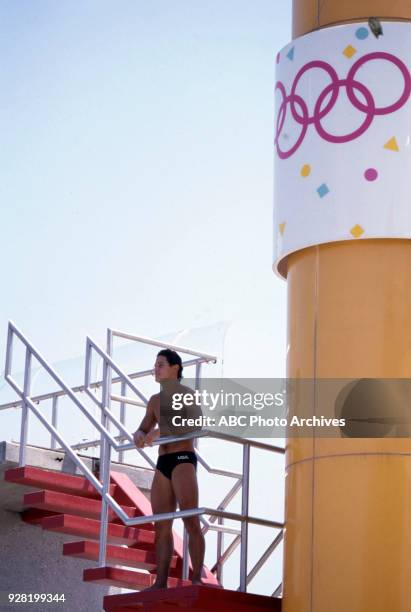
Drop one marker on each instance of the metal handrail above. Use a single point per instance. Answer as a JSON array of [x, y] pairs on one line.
[[180, 349], [93, 385], [108, 442]]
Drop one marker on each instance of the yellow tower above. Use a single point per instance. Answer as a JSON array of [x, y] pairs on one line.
[[343, 224]]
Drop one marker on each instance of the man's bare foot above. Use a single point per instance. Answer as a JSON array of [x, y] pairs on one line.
[[154, 587], [197, 581]]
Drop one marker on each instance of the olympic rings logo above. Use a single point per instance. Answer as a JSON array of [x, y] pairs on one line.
[[299, 109]]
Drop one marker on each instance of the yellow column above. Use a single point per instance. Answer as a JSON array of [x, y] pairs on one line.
[[348, 501]]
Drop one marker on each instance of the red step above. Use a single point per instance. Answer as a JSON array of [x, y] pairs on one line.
[[62, 502], [196, 597], [53, 481], [90, 529], [172, 607], [125, 578], [118, 555], [34, 516]]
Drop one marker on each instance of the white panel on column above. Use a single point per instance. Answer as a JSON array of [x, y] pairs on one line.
[[342, 138]]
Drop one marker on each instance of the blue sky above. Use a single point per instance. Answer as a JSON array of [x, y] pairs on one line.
[[136, 165]]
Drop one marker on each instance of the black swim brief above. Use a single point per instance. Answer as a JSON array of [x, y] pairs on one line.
[[167, 462]]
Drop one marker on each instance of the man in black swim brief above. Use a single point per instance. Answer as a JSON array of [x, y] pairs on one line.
[[167, 463], [175, 478]]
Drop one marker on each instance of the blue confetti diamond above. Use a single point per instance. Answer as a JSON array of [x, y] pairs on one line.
[[290, 54], [361, 33], [322, 190]]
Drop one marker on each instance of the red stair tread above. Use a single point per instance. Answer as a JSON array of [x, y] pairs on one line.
[[173, 607], [62, 502], [193, 596], [119, 555], [34, 516], [129, 579], [53, 481], [158, 607], [90, 529]]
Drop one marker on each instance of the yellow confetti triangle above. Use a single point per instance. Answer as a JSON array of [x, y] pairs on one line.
[[349, 51], [282, 228], [392, 144], [357, 231]]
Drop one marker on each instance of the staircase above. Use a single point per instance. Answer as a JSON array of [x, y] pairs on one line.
[[69, 504], [72, 504]]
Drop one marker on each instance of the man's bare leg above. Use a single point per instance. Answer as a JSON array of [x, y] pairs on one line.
[[184, 480], [162, 500]]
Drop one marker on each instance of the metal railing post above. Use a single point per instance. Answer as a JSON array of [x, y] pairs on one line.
[[122, 415], [105, 454], [220, 546], [54, 418], [244, 513], [186, 564], [197, 388], [25, 408]]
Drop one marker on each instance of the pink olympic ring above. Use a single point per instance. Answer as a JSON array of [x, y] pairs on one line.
[[385, 110], [368, 117], [281, 119], [351, 84], [334, 96]]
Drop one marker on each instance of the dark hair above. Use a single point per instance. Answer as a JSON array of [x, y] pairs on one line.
[[173, 358]]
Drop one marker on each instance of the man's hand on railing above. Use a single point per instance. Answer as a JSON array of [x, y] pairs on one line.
[[152, 436], [142, 439], [139, 438]]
